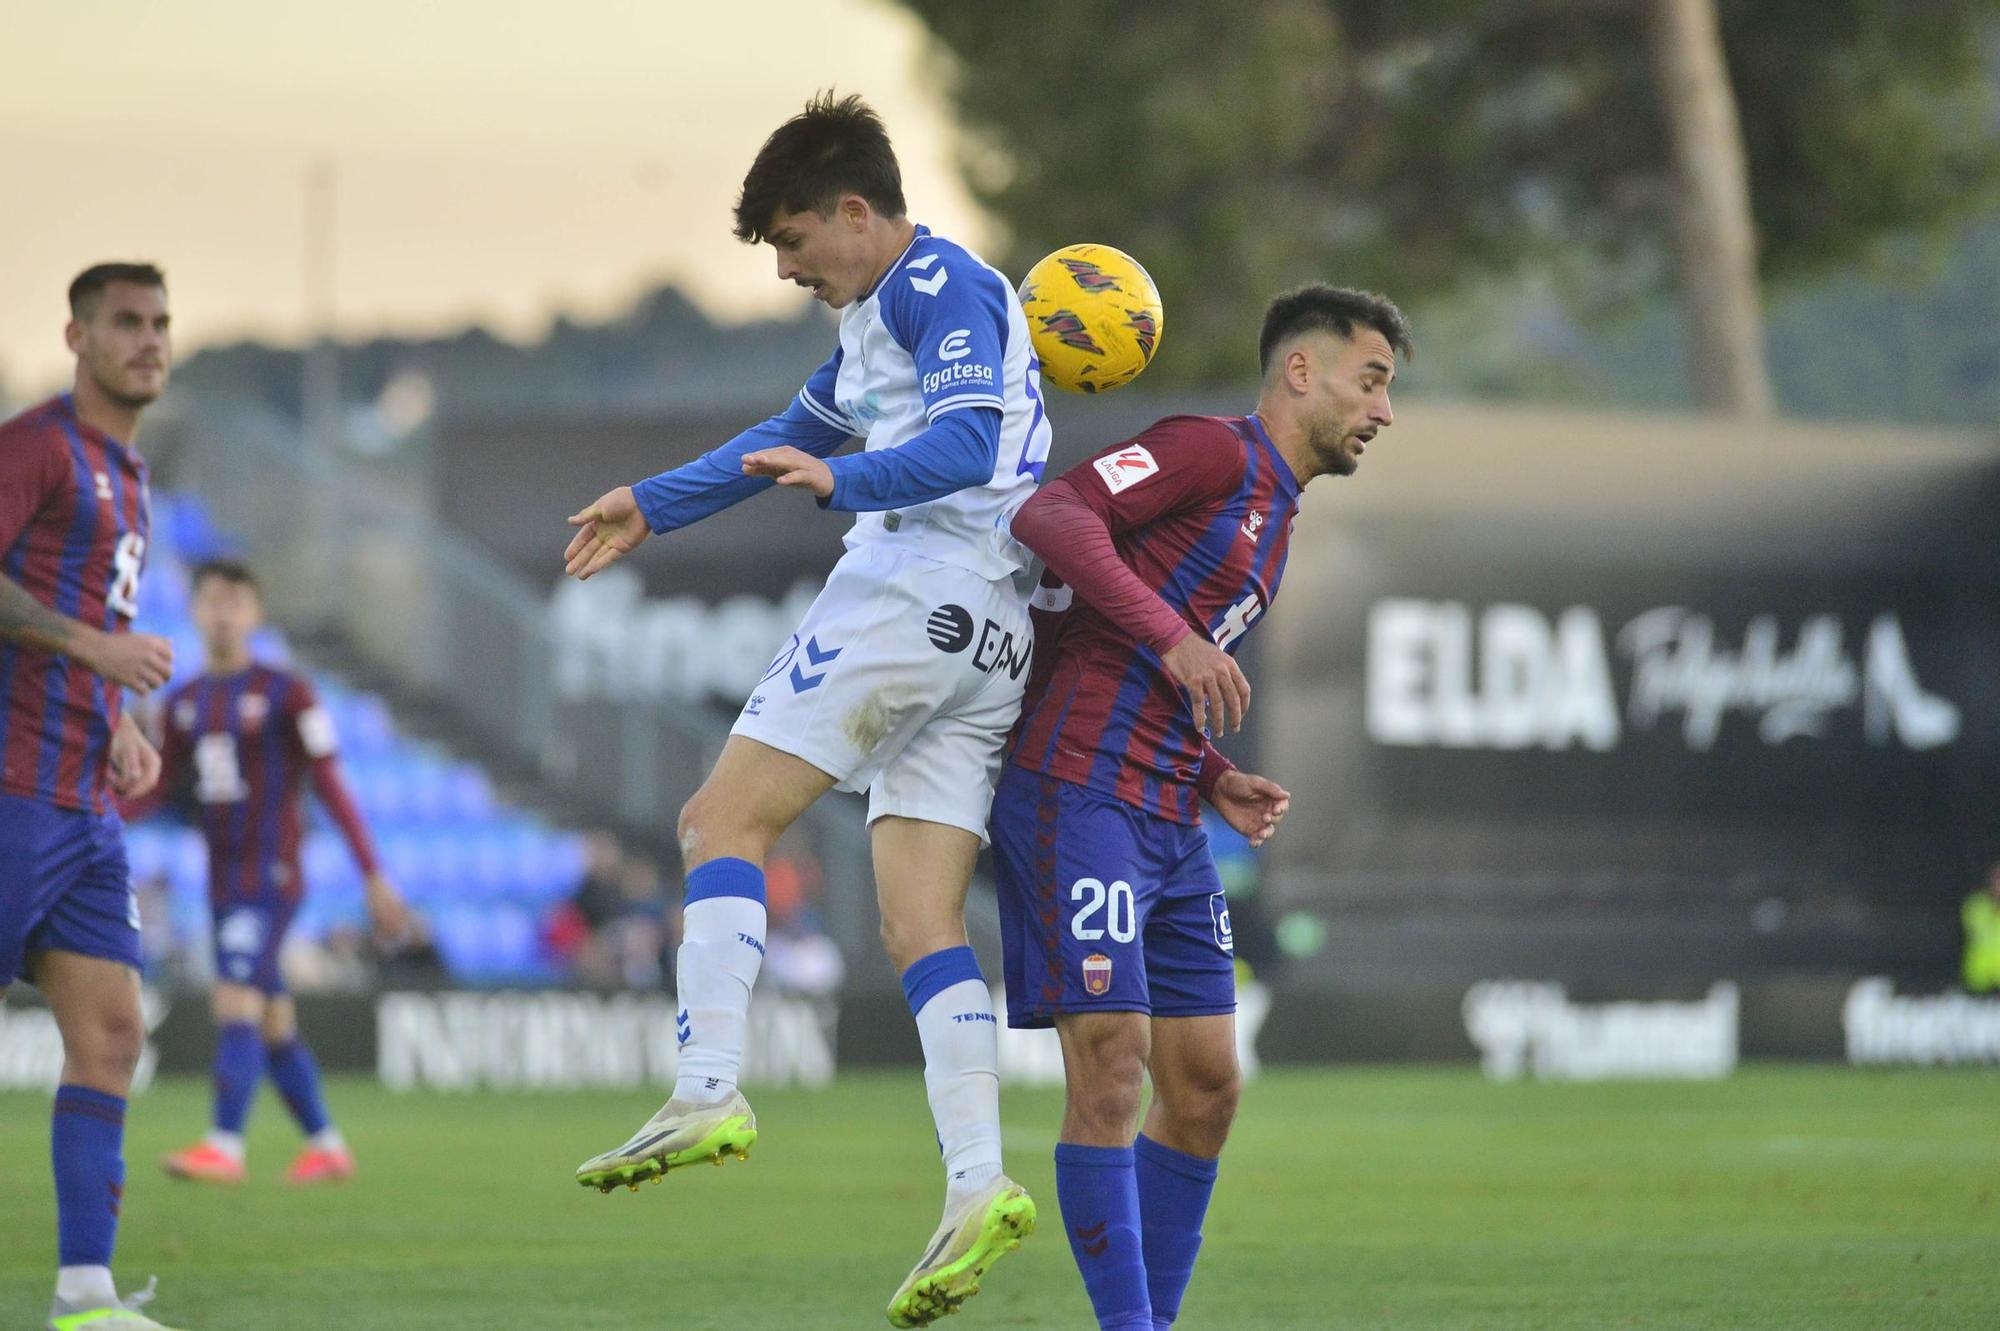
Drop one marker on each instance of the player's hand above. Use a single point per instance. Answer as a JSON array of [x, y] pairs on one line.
[[1214, 682], [611, 529], [791, 466], [138, 661], [1253, 805], [388, 914], [135, 763]]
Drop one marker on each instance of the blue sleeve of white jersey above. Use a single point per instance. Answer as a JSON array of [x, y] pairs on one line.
[[950, 314], [715, 480], [954, 454]]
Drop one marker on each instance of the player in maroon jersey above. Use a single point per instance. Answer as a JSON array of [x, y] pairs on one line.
[[243, 738], [74, 515], [1162, 553]]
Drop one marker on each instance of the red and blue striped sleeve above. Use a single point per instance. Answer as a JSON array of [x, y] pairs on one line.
[[1181, 464], [313, 729], [33, 466]]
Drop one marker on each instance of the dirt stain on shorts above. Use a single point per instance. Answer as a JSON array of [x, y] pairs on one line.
[[872, 720]]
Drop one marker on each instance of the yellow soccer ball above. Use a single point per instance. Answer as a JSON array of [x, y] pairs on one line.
[[1094, 317]]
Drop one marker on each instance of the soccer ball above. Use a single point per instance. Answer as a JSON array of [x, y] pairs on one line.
[[1094, 317]]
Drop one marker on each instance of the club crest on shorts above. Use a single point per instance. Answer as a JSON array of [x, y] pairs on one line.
[[1097, 973], [241, 931]]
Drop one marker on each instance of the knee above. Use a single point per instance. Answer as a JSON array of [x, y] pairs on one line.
[[688, 828], [711, 826], [1106, 1078], [897, 942], [908, 936], [1215, 1102], [234, 1003], [124, 1041], [1202, 1102], [108, 1048], [278, 1026]]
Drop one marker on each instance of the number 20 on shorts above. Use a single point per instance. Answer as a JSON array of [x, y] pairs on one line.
[[1121, 914]]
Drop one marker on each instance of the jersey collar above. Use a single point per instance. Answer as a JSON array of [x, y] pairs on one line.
[[923, 233], [1282, 469], [68, 403]]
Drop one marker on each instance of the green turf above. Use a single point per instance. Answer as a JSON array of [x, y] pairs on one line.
[[1808, 1198]]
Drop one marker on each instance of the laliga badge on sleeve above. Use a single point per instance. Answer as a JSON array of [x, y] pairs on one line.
[[1126, 468]]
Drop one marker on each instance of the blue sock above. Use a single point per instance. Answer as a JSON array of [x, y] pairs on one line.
[[1099, 1196], [87, 1146], [1174, 1188], [239, 1066], [295, 1073]]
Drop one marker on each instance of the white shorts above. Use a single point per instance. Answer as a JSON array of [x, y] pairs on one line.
[[903, 680]]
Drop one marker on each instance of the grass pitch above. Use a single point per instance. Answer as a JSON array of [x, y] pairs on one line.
[[1380, 1198]]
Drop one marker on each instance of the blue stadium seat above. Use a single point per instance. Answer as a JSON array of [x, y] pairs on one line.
[[363, 722], [470, 793], [183, 520], [481, 872]]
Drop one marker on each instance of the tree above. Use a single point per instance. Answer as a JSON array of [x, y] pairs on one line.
[[1715, 239], [1419, 145]]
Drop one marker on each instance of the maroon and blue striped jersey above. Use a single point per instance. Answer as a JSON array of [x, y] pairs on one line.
[[1200, 509], [74, 516], [243, 745]]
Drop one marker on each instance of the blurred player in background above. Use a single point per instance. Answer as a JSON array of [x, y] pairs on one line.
[[1981, 916], [901, 681], [1162, 552], [74, 515], [243, 738]]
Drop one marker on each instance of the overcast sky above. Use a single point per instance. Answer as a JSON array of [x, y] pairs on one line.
[[494, 160]]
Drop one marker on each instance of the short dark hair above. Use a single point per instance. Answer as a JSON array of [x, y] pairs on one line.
[[1323, 308], [232, 571], [831, 148], [90, 283]]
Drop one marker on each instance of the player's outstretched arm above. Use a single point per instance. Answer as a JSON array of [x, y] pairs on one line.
[[956, 453], [807, 428], [138, 661], [608, 530], [793, 469]]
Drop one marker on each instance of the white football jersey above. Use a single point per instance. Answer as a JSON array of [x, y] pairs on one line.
[[941, 332]]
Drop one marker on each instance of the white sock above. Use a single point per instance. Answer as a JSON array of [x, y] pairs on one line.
[[962, 1074], [85, 1286], [327, 1138], [229, 1143], [722, 948]]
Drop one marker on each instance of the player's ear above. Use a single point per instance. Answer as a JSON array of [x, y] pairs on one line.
[[73, 335], [854, 210], [1298, 368]]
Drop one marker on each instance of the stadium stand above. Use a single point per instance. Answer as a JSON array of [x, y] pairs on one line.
[[483, 875]]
